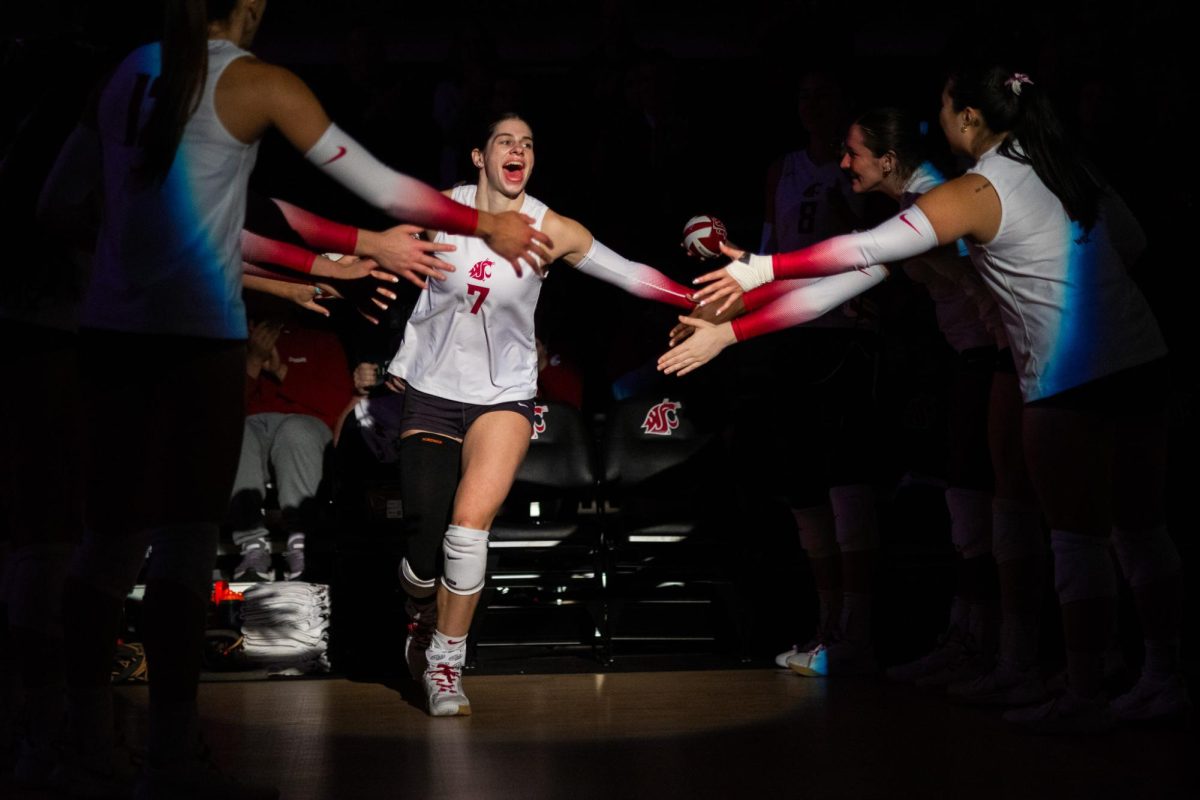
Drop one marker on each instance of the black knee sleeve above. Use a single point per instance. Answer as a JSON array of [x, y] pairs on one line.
[[429, 472]]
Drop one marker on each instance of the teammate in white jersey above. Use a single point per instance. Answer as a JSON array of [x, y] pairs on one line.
[[174, 139], [469, 367], [1090, 359], [883, 152]]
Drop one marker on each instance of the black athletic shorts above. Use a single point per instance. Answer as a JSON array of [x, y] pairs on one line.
[[1136, 390], [427, 412]]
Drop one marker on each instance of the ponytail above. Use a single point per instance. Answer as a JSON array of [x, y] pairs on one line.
[[1012, 103], [181, 81]]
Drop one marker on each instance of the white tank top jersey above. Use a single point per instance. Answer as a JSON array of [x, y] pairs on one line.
[[168, 257], [470, 337], [804, 216], [1071, 311], [959, 316]]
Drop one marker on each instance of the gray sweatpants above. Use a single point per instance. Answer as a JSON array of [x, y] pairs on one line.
[[294, 445]]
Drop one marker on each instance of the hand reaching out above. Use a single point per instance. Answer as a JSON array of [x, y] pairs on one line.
[[708, 313], [402, 251], [513, 236], [720, 283], [706, 343]]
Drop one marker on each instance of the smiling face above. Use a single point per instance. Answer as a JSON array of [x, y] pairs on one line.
[[866, 170], [507, 159]]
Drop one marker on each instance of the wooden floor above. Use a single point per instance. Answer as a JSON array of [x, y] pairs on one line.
[[695, 734]]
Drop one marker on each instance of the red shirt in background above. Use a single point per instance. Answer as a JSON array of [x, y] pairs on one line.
[[317, 382]]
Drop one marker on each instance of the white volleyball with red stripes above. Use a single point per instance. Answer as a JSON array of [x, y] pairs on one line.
[[702, 236]]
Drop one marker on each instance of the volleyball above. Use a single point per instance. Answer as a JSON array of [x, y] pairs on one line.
[[702, 236]]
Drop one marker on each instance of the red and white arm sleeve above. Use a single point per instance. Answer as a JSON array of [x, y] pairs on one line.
[[637, 279], [261, 250], [319, 233], [807, 302], [905, 235], [770, 292], [405, 198]]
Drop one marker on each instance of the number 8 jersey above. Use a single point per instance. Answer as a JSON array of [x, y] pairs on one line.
[[470, 337]]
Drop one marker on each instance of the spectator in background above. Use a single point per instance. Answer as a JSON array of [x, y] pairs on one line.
[[298, 390]]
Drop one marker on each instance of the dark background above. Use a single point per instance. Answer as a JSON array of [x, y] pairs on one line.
[[719, 81]]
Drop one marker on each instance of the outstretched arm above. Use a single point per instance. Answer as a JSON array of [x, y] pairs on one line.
[[799, 305], [592, 258], [261, 250], [273, 96], [966, 206]]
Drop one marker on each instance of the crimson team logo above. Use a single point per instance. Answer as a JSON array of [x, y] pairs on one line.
[[662, 418], [539, 419], [482, 270]]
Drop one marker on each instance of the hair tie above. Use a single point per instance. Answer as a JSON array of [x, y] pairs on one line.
[[1014, 82]]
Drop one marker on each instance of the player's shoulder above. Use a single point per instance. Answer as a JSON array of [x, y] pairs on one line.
[[252, 69]]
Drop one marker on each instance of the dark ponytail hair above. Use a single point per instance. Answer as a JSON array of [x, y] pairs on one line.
[[1010, 103], [897, 131], [181, 81]]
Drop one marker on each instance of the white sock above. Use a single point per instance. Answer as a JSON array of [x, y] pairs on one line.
[[447, 650]]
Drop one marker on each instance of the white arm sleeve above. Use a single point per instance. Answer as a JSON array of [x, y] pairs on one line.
[[349, 163], [905, 235], [637, 279]]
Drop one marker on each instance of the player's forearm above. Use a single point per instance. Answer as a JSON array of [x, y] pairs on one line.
[[637, 279], [806, 303], [403, 197]]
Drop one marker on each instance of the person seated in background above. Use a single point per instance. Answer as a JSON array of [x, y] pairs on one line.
[[298, 389]]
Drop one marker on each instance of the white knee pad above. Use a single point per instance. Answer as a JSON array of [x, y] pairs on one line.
[[184, 554], [465, 554], [970, 521], [856, 525], [815, 525], [1016, 530], [109, 564], [414, 586], [1082, 567], [34, 586], [1147, 555]]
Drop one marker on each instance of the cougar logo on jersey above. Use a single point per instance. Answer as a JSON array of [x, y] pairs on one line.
[[539, 419], [662, 419], [482, 270]]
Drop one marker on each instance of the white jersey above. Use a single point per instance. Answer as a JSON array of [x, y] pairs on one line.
[[470, 337], [168, 258], [961, 304], [806, 200], [1071, 310]]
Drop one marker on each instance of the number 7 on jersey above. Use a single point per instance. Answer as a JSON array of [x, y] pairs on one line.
[[482, 291]]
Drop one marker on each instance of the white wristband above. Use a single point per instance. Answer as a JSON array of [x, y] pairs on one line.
[[754, 274]]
